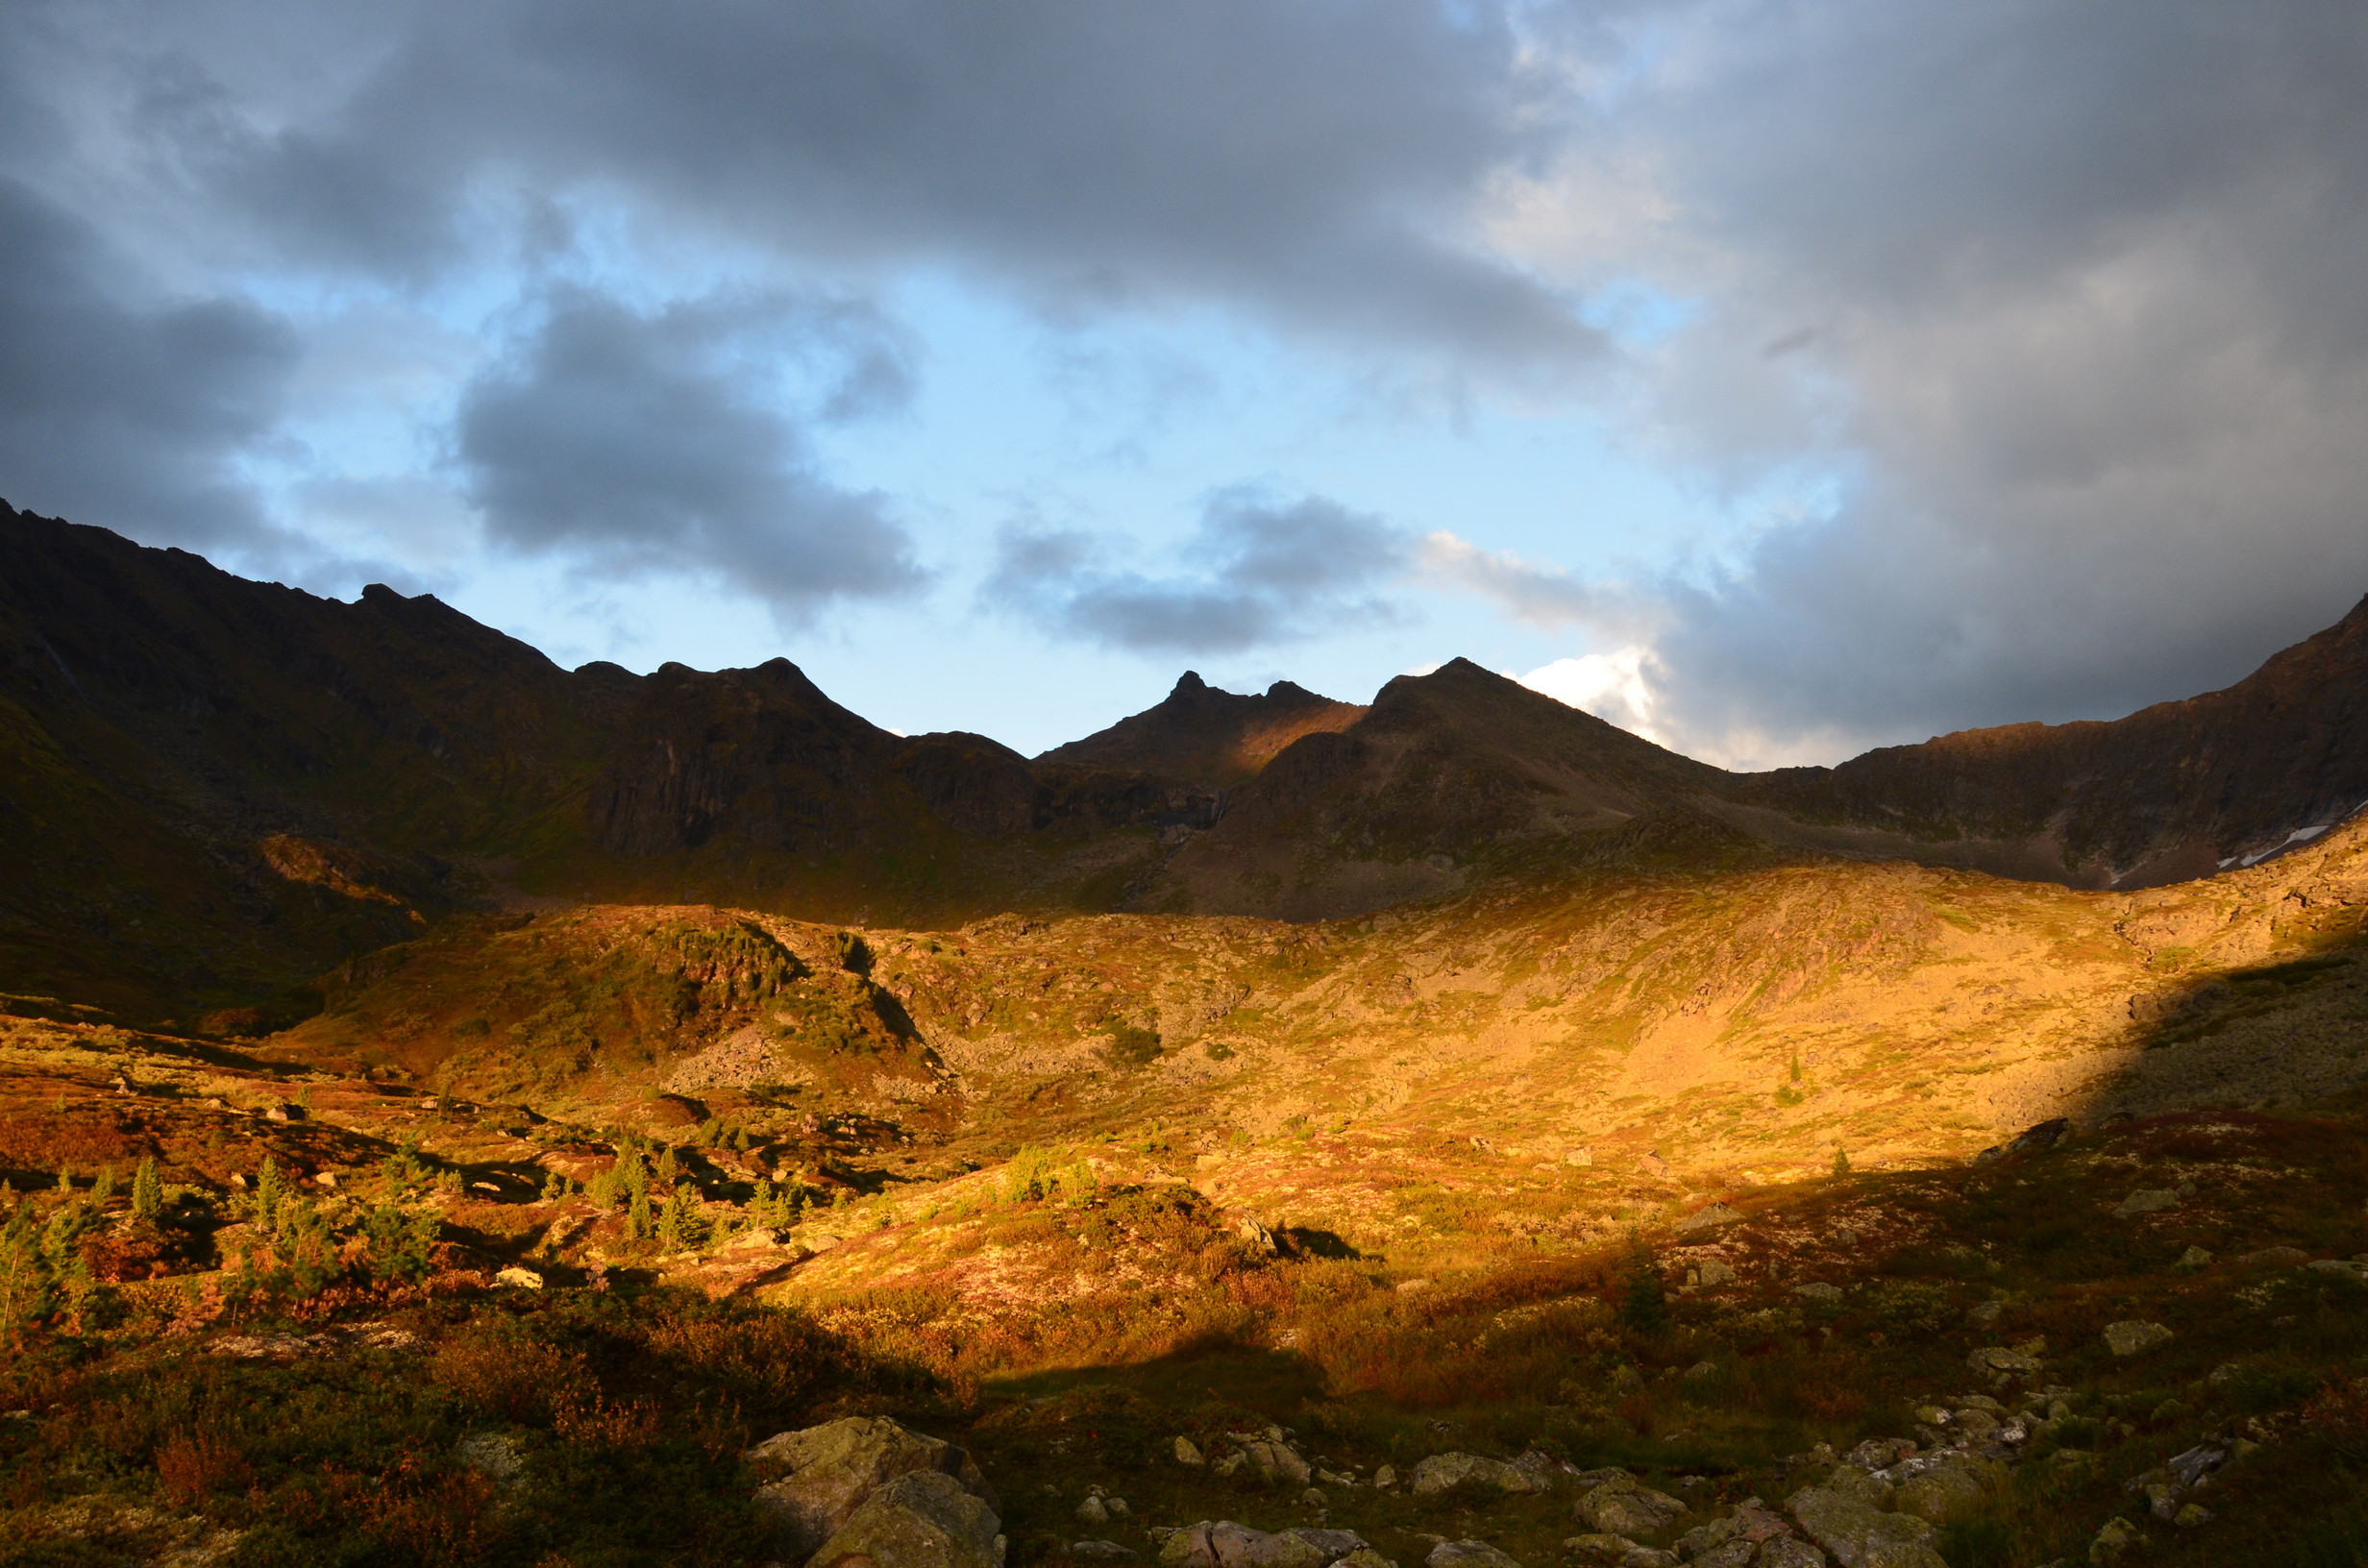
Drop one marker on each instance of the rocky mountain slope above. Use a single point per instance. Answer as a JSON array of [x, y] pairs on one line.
[[215, 789], [1207, 736], [2175, 791]]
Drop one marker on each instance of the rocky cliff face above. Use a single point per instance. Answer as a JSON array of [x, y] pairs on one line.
[[1206, 736], [2174, 791]]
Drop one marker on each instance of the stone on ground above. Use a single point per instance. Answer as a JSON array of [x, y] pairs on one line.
[[2132, 1338], [1442, 1471], [922, 1519], [1623, 1506], [834, 1467], [1467, 1555], [1861, 1535]]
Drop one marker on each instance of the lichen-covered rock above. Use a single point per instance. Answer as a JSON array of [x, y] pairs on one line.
[[2118, 1536], [1276, 1461], [1442, 1471], [2000, 1361], [1936, 1493], [1188, 1452], [1706, 1219], [2133, 1337], [1101, 1552], [1334, 1544], [1623, 1506], [1818, 1291], [834, 1467], [2146, 1201], [1364, 1558], [1467, 1555], [922, 1519], [1861, 1535], [1224, 1544], [1788, 1551]]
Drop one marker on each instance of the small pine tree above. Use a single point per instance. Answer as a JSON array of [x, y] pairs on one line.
[[554, 1188], [1796, 1066], [1643, 1305], [65, 1179], [670, 1220], [668, 1167], [103, 1188], [267, 1195], [740, 1139], [637, 1206], [147, 1190], [1841, 1162], [711, 1132]]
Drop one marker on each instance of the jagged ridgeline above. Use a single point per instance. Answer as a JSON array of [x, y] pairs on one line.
[[218, 789], [607, 1002]]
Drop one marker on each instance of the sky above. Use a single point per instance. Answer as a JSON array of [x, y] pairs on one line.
[[1776, 380]]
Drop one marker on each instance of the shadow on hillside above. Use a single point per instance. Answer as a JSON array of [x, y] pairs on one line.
[[2258, 1036]]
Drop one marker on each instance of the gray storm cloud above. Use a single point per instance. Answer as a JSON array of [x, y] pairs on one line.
[[2053, 309], [1257, 572], [635, 442], [2067, 297], [122, 406]]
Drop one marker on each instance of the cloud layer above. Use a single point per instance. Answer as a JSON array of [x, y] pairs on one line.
[[1257, 572], [2015, 354], [634, 442]]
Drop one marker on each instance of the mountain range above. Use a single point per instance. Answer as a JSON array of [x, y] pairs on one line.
[[215, 789]]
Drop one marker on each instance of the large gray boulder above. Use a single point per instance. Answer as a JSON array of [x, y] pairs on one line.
[[1224, 1544], [1859, 1534], [1467, 1555], [1442, 1471], [834, 1467], [1623, 1506], [922, 1519]]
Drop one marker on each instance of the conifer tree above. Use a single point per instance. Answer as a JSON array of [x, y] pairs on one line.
[[668, 1167], [1841, 1162], [267, 1195], [147, 1190], [104, 1187], [65, 1179], [637, 1210]]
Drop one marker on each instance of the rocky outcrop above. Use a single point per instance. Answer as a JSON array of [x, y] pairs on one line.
[[922, 1519], [835, 1469]]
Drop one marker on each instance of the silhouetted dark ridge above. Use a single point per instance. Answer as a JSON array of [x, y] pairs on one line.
[[1208, 736], [2170, 791]]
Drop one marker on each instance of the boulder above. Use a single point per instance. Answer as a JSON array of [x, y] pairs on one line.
[[2000, 1361], [1275, 1460], [1224, 1544], [519, 1279], [1090, 1512], [1467, 1554], [2132, 1338], [2274, 1255], [1334, 1544], [921, 1519], [2116, 1537], [1442, 1471], [1364, 1558], [1707, 1219], [1818, 1291], [1101, 1552], [2350, 1268], [1716, 1273], [2150, 1200], [1861, 1535], [1734, 1553], [1938, 1493], [834, 1467], [1623, 1506], [1188, 1452], [1789, 1551], [2040, 1138]]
